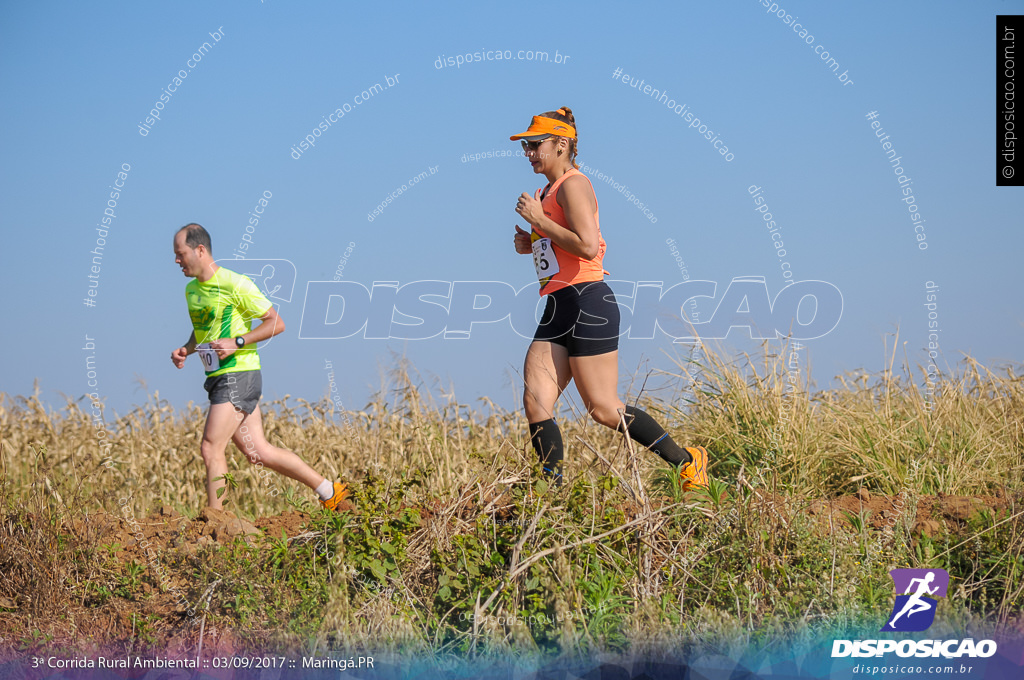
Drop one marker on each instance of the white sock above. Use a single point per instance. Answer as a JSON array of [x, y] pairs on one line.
[[325, 490]]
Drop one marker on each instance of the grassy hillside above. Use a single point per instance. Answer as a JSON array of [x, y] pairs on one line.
[[455, 543]]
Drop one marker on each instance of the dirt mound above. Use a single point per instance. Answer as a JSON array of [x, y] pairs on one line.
[[932, 515], [166, 530], [139, 604]]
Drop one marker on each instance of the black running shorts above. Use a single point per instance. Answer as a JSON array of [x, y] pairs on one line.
[[583, 318]]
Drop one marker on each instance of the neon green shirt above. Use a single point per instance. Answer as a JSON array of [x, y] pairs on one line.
[[224, 307]]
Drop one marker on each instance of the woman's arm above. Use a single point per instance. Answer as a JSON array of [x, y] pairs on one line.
[[576, 198]]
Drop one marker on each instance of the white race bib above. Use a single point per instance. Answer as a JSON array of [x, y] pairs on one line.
[[544, 260], [211, 362]]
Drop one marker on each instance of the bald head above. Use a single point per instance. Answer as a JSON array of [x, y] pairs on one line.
[[192, 252], [195, 236]]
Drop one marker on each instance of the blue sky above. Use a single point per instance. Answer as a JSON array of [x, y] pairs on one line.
[[78, 80]]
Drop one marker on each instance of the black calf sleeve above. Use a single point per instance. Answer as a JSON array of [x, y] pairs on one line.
[[547, 442], [646, 431]]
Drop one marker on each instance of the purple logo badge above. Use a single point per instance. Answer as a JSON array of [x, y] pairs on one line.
[[916, 590]]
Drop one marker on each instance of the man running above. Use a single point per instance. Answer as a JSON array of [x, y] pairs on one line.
[[222, 305]]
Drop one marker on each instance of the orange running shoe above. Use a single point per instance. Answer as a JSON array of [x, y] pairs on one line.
[[340, 494], [695, 473]]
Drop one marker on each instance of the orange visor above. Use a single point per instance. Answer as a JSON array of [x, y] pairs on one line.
[[547, 126]]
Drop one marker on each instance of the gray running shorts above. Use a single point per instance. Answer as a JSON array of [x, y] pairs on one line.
[[242, 388]]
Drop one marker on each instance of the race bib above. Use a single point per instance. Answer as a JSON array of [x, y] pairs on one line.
[[544, 260], [211, 362]]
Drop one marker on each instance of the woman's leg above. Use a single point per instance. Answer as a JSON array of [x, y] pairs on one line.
[[546, 373], [597, 380]]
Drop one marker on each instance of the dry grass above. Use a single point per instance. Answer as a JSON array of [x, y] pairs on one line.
[[457, 544], [871, 431]]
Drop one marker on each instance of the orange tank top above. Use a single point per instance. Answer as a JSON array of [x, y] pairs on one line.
[[571, 268]]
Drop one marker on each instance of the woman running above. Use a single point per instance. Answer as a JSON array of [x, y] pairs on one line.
[[578, 334]]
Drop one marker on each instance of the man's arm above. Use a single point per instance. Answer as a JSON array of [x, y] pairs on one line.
[[271, 324], [179, 354]]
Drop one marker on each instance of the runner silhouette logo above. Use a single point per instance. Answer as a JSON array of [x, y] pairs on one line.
[[274, 278], [916, 590]]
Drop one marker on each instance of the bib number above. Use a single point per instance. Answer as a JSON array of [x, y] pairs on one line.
[[211, 362], [544, 260]]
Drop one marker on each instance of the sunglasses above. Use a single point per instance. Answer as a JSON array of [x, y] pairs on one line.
[[533, 146]]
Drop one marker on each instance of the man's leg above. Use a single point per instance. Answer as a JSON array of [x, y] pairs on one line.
[[249, 439], [221, 422]]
